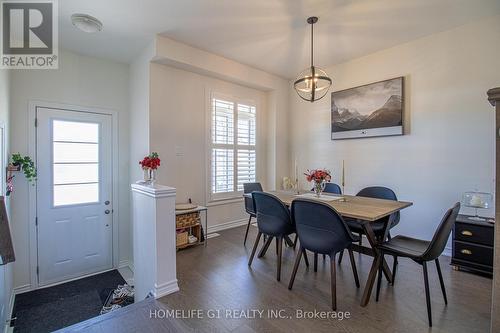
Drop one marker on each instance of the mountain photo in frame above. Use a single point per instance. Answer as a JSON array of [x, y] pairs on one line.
[[375, 109]]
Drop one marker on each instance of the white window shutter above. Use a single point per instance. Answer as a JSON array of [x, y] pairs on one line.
[[233, 147]]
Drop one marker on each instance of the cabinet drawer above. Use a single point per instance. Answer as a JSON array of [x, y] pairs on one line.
[[473, 252], [474, 234]]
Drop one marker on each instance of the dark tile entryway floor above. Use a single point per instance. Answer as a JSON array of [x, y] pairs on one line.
[[49, 309]]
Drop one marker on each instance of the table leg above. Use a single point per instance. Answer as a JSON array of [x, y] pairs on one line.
[[372, 239], [206, 227]]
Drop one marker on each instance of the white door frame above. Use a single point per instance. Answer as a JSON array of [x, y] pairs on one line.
[[32, 200]]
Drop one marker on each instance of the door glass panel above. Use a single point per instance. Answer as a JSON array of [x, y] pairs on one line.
[[76, 131], [75, 162], [75, 194], [69, 152], [76, 173]]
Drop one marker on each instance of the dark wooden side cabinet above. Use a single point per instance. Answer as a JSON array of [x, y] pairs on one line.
[[473, 245]]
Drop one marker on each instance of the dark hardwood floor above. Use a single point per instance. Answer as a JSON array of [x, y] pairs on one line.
[[217, 277]]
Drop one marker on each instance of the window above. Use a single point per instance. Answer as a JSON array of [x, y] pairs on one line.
[[75, 162], [232, 147]]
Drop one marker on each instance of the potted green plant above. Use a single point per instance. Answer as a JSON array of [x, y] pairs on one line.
[[26, 164]]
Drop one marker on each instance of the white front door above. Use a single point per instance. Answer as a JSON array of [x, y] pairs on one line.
[[74, 188]]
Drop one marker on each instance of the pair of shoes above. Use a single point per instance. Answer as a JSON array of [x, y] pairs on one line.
[[107, 309], [123, 291]]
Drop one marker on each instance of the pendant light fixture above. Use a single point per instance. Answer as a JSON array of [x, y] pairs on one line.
[[313, 83]]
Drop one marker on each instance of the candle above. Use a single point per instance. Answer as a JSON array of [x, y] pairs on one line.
[[296, 174], [343, 173]]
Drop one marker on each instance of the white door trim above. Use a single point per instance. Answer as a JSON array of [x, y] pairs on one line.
[[32, 201]]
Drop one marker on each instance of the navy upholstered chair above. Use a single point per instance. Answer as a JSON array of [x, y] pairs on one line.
[[321, 230], [356, 226], [249, 188], [274, 221], [421, 252], [333, 189]]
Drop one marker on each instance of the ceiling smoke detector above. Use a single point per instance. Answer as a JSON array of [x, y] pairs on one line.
[[86, 23]]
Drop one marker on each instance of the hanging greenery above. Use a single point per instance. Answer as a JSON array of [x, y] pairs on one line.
[[26, 165]]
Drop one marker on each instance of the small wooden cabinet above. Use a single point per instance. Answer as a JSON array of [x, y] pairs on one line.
[[473, 245]]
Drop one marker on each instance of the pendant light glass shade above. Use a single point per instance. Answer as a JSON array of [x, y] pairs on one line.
[[312, 83]]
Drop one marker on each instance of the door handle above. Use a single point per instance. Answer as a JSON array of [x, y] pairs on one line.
[[466, 233], [107, 211], [106, 202]]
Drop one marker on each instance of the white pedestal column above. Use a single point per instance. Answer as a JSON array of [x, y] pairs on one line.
[[154, 240]]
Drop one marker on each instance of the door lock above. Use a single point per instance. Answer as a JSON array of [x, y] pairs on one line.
[[106, 202], [107, 211]]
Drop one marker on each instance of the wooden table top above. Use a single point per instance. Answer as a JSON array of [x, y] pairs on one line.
[[368, 209]]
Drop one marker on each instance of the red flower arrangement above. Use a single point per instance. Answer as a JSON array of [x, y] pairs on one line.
[[318, 175], [152, 161]]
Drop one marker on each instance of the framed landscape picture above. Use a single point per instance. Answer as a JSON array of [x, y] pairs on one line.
[[375, 109]]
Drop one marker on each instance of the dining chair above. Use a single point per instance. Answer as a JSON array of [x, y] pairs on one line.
[[249, 208], [333, 189], [421, 252], [273, 220], [356, 226], [321, 230]]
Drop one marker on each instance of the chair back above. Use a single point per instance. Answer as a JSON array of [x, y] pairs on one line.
[[273, 217], [440, 238], [332, 188], [380, 192], [249, 188], [319, 227]]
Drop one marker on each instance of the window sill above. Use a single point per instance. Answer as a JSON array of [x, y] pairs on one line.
[[225, 201]]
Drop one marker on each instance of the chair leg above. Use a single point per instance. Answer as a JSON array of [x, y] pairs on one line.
[[360, 239], [295, 268], [257, 240], [288, 241], [305, 256], [248, 227], [341, 255], [279, 242], [276, 238], [324, 256], [389, 236], [394, 267], [441, 281], [379, 277], [265, 247], [427, 294], [354, 270], [295, 241], [333, 282], [315, 262]]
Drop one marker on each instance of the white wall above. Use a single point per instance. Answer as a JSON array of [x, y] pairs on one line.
[[179, 110], [6, 270], [179, 55], [448, 148], [139, 83], [82, 81]]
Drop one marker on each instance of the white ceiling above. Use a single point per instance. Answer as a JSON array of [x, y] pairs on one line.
[[271, 35]]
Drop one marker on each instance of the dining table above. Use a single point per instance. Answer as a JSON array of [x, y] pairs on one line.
[[366, 211]]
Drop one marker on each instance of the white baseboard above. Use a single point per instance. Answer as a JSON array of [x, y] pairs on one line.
[[226, 225], [22, 289], [165, 288]]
